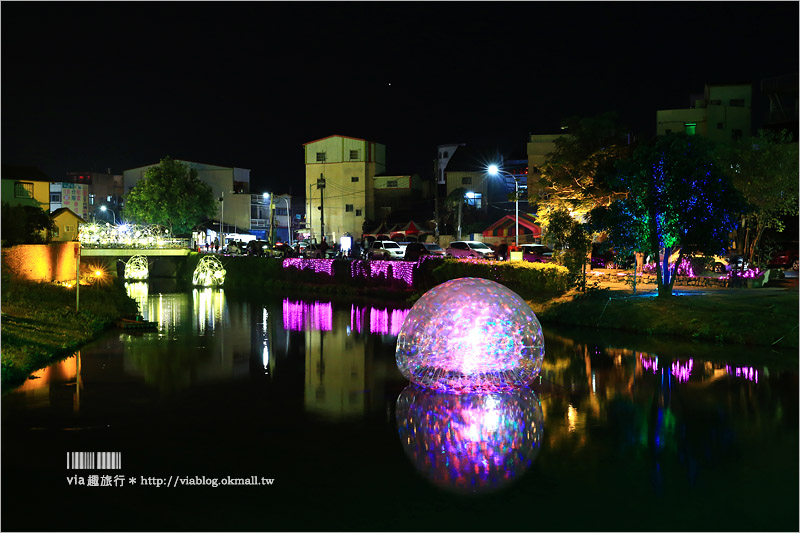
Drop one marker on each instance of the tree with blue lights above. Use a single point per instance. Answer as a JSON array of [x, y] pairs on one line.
[[680, 198]]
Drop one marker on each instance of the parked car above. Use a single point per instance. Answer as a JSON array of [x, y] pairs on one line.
[[318, 251], [257, 248], [785, 257], [384, 250], [470, 249], [415, 250], [434, 248], [281, 250], [536, 253], [727, 263]]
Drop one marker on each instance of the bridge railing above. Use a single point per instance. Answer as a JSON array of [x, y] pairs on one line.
[[161, 244]]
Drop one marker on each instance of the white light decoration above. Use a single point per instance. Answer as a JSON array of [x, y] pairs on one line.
[[125, 235], [209, 272], [137, 268]]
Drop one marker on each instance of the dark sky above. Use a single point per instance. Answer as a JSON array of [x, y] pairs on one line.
[[119, 85]]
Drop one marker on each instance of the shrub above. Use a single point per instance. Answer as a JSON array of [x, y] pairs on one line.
[[520, 276]]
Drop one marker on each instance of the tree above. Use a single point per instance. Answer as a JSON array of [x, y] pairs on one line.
[[579, 172], [170, 195], [571, 244], [679, 197], [764, 169], [25, 224]]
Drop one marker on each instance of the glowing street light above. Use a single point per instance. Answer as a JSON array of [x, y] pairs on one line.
[[494, 170], [288, 214], [104, 209]]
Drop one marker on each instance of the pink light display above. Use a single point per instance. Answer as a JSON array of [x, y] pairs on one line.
[[649, 363], [302, 316], [745, 372], [471, 442], [682, 371], [324, 266], [470, 335]]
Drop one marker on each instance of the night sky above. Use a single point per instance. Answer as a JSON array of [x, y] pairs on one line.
[[113, 85]]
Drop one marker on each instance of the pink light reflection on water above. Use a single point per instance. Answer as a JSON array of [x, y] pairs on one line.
[[381, 321], [745, 372], [682, 372], [302, 316], [649, 363]]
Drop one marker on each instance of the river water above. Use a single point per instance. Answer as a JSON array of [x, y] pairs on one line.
[[618, 433]]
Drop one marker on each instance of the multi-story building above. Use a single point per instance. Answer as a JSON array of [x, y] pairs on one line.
[[396, 193], [781, 94], [539, 146], [26, 192], [105, 191], [228, 184], [721, 113], [74, 196], [340, 174]]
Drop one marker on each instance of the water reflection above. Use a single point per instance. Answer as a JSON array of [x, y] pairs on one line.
[[470, 442]]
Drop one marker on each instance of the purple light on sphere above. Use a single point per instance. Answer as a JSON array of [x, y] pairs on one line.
[[470, 335]]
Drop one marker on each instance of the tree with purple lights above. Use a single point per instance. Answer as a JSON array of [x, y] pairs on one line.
[[680, 197]]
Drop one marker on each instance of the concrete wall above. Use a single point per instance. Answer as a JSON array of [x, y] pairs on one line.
[[41, 262]]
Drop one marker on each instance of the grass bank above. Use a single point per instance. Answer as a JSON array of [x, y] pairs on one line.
[[760, 317], [40, 325]]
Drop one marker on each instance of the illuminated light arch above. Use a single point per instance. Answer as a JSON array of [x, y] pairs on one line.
[[209, 272], [137, 268]]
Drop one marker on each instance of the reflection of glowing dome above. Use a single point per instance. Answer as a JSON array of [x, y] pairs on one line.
[[470, 442], [468, 335]]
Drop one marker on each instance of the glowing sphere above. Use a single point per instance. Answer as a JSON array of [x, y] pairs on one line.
[[470, 335], [470, 442], [209, 272]]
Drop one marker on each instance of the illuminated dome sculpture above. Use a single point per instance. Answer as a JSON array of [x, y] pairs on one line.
[[209, 272], [470, 443], [137, 268], [470, 335]]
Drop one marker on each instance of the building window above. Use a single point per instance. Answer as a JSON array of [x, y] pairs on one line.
[[54, 233], [358, 212], [23, 190], [353, 154], [440, 155], [474, 199], [391, 183], [91, 199], [348, 208], [667, 130], [466, 180], [354, 179], [445, 153], [320, 156], [719, 125], [737, 102], [55, 197], [715, 102], [736, 134], [68, 228], [281, 211], [691, 128]]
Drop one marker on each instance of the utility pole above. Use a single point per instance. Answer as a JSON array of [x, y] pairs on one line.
[[321, 187], [436, 198], [271, 222]]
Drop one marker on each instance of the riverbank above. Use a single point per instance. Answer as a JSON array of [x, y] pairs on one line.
[[758, 317], [40, 325]]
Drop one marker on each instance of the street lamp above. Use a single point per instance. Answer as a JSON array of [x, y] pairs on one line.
[[494, 170], [104, 209], [288, 214]]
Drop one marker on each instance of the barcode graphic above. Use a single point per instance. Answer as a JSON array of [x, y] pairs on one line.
[[94, 460]]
